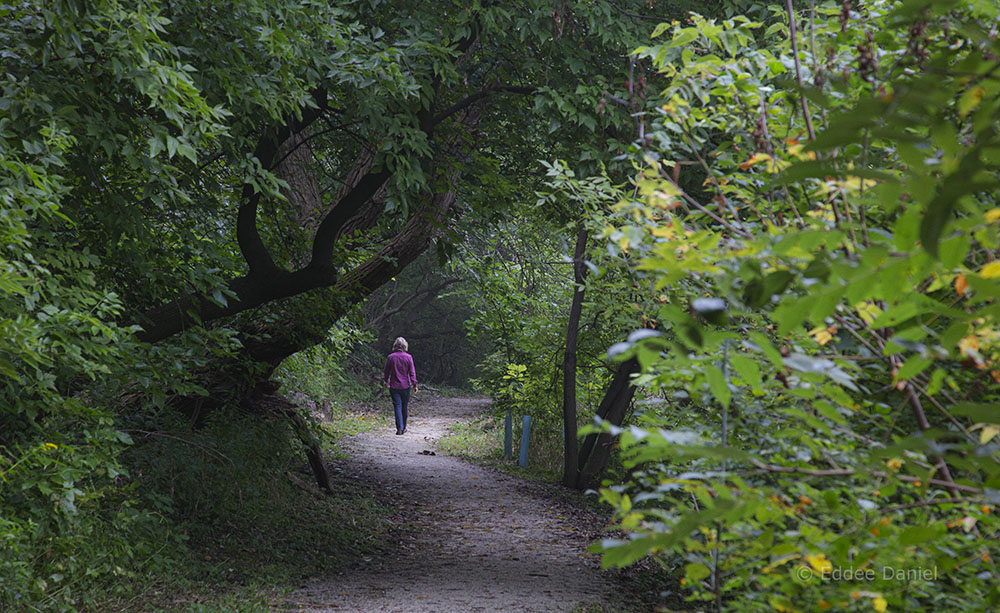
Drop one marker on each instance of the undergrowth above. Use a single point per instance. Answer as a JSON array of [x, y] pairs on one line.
[[482, 440], [330, 372], [247, 516]]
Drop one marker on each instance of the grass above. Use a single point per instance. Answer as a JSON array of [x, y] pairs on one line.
[[447, 391], [343, 423], [479, 439], [482, 440]]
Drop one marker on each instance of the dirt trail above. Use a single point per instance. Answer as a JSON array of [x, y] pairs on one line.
[[484, 541]]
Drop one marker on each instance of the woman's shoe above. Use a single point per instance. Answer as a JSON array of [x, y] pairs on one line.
[[404, 430], [398, 432]]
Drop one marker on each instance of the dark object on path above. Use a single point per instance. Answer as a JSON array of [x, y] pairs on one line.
[[426, 452]]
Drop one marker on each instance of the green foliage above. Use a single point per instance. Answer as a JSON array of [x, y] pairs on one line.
[[482, 441], [521, 301], [823, 383], [250, 522], [520, 298], [103, 118], [320, 372], [129, 147]]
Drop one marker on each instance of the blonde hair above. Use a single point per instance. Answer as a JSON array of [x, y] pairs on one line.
[[400, 343]]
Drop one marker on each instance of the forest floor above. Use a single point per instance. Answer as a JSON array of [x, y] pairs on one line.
[[470, 538]]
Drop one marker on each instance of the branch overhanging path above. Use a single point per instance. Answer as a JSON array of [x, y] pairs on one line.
[[479, 540]]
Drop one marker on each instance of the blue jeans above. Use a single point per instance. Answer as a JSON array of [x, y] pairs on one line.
[[400, 399]]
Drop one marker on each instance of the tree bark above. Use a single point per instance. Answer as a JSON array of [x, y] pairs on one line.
[[570, 448], [596, 448], [314, 453]]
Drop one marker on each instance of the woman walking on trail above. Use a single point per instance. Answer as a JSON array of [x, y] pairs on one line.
[[399, 376]]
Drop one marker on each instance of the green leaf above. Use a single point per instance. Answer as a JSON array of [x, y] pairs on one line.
[[954, 250], [792, 313], [970, 99], [718, 386], [776, 283], [937, 379], [696, 572], [952, 189], [7, 369], [978, 412], [914, 535], [895, 315], [837, 394], [660, 29], [764, 344], [913, 366], [619, 553], [747, 369], [829, 168], [684, 36]]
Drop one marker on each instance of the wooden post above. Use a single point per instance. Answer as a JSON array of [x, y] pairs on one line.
[[525, 430], [508, 437]]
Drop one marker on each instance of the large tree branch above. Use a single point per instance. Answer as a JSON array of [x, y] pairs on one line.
[[247, 292], [251, 245], [358, 208], [412, 240], [476, 97], [352, 203], [330, 229]]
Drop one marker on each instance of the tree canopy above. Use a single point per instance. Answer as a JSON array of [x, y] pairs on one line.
[[192, 192], [775, 226]]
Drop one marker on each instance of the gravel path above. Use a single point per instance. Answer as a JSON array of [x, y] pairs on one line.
[[483, 540]]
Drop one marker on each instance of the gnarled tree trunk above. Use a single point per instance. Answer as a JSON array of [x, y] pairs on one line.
[[596, 449]]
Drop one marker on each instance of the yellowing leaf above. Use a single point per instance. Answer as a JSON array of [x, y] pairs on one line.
[[819, 563], [783, 607], [663, 232], [990, 271], [992, 215], [969, 345], [970, 100], [987, 433], [855, 184], [961, 284], [757, 157], [868, 311], [822, 334], [968, 523], [880, 604]]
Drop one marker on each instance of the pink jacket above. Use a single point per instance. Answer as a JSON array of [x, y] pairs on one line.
[[398, 372]]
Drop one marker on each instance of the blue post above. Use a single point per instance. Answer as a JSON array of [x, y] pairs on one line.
[[525, 430], [508, 437]]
